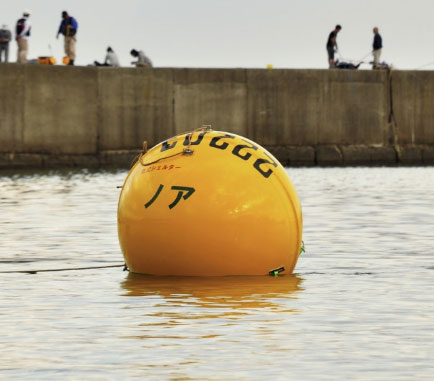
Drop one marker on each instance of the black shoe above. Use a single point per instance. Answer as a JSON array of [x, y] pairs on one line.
[[71, 62]]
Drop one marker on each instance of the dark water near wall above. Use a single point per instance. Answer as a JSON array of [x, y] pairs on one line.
[[360, 306]]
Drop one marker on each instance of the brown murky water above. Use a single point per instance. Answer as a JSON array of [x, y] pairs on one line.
[[360, 305]]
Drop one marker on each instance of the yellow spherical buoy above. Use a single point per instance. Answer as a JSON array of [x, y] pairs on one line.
[[209, 203]]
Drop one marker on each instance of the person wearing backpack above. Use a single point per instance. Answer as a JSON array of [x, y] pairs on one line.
[[22, 34], [68, 27], [5, 37]]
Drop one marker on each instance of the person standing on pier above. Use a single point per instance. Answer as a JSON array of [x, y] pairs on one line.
[[22, 34], [377, 46], [332, 46], [5, 37], [68, 27]]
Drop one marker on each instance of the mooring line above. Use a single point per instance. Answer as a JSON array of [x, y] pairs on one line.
[[64, 269]]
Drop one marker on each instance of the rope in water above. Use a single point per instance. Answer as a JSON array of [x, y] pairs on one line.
[[63, 269], [124, 265]]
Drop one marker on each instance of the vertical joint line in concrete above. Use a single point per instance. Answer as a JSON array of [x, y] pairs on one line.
[[392, 121], [98, 113], [23, 115]]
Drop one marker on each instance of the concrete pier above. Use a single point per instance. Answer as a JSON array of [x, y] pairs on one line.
[[54, 116]]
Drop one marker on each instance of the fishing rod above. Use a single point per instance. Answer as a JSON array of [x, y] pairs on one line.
[[428, 64]]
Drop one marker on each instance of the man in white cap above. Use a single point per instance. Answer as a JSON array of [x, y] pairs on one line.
[[22, 33], [5, 37]]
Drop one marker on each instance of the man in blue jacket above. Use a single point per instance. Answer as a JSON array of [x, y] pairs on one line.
[[68, 27]]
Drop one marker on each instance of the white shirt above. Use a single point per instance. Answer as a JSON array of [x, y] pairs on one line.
[[112, 59], [143, 60]]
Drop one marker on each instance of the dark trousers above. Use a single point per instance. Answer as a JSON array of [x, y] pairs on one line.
[[101, 64], [4, 47]]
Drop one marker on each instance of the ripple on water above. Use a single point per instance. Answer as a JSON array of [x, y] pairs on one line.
[[360, 305]]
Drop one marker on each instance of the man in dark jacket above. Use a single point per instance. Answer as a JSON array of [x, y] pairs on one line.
[[332, 45], [5, 37], [376, 48], [68, 27]]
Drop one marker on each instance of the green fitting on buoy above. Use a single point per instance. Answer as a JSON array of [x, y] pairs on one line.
[[302, 250], [275, 272]]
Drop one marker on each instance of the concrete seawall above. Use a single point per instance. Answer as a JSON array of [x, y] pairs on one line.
[[53, 116]]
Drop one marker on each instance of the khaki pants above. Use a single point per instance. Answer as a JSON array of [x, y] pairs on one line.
[[23, 48], [70, 47], [376, 54], [143, 64]]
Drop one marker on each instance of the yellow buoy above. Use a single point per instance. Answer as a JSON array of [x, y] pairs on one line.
[[209, 203], [46, 60]]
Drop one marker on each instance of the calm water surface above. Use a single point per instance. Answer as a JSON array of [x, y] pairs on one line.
[[360, 305]]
